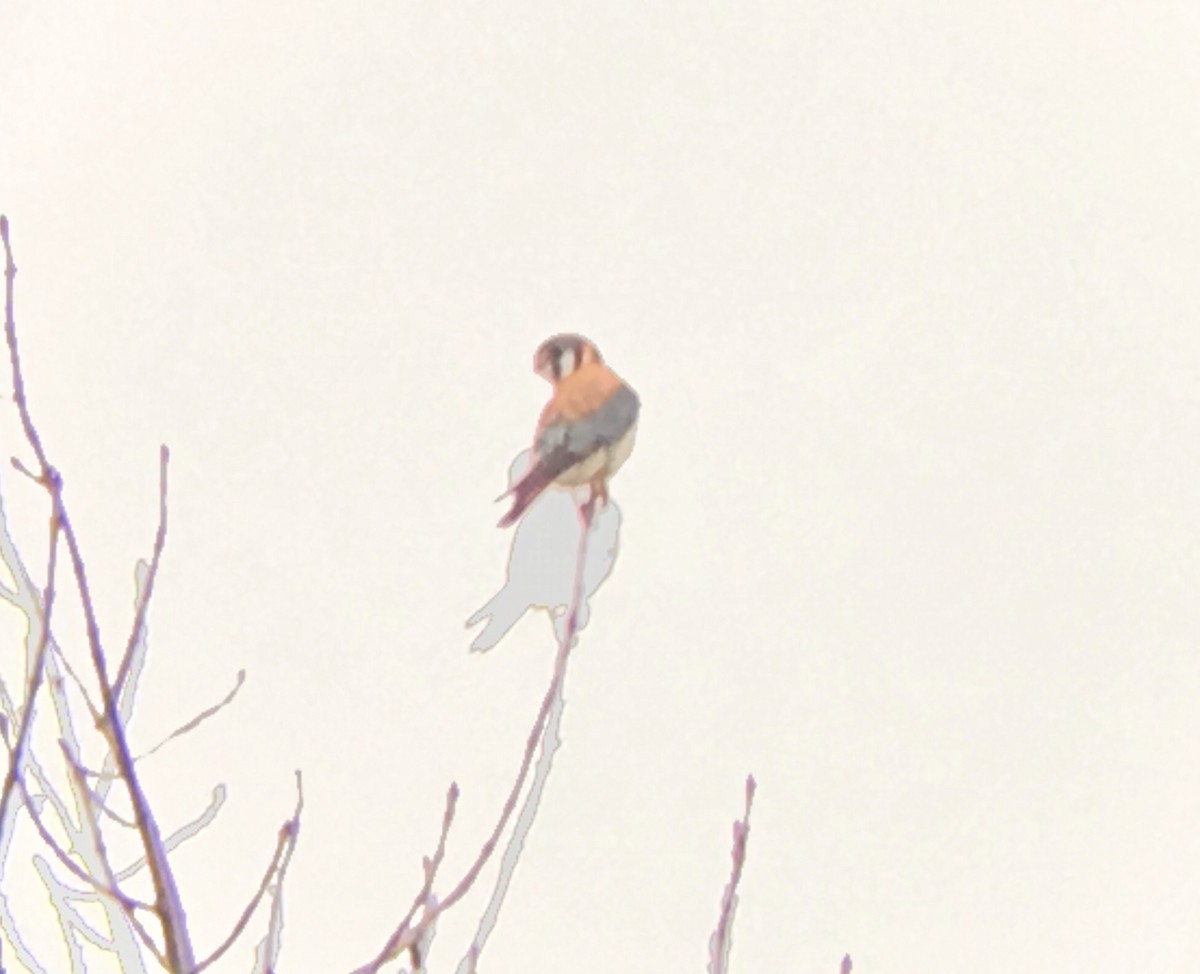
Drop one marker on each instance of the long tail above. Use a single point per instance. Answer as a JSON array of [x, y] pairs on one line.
[[525, 491]]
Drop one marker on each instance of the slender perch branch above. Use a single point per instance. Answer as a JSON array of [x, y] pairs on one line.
[[721, 941], [550, 742], [407, 935]]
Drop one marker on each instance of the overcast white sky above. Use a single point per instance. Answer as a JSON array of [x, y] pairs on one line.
[[909, 293]]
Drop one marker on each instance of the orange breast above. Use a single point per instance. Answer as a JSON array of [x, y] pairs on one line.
[[580, 394]]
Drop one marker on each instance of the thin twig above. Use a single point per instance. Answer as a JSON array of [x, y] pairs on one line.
[[79, 778], [186, 831], [84, 790], [407, 935], [288, 834], [17, 752], [550, 741], [48, 793], [535, 734], [269, 945], [109, 883], [93, 710], [401, 938], [127, 902], [721, 941], [160, 539], [200, 718], [519, 835]]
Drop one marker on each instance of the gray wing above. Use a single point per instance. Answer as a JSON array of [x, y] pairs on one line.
[[562, 445]]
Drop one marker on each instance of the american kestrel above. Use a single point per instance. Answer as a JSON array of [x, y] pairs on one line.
[[586, 430]]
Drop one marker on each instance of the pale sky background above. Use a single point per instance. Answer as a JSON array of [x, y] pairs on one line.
[[909, 293]]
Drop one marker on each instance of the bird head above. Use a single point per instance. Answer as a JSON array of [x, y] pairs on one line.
[[559, 356]]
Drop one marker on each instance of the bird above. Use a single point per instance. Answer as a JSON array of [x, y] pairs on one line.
[[585, 432]]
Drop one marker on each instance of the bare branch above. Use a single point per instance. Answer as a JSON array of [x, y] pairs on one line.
[[288, 834], [78, 681], [92, 801], [721, 941], [520, 833], [17, 752], [109, 880], [167, 902], [85, 841], [407, 936], [160, 539], [200, 718], [10, 330], [535, 734], [70, 919], [127, 902], [402, 937], [267, 950], [184, 832]]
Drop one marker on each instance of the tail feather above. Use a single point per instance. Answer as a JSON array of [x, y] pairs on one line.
[[525, 491]]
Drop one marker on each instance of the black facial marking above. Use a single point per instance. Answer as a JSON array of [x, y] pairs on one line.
[[554, 349], [560, 348]]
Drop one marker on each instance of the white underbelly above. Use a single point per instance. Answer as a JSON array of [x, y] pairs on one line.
[[607, 461]]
